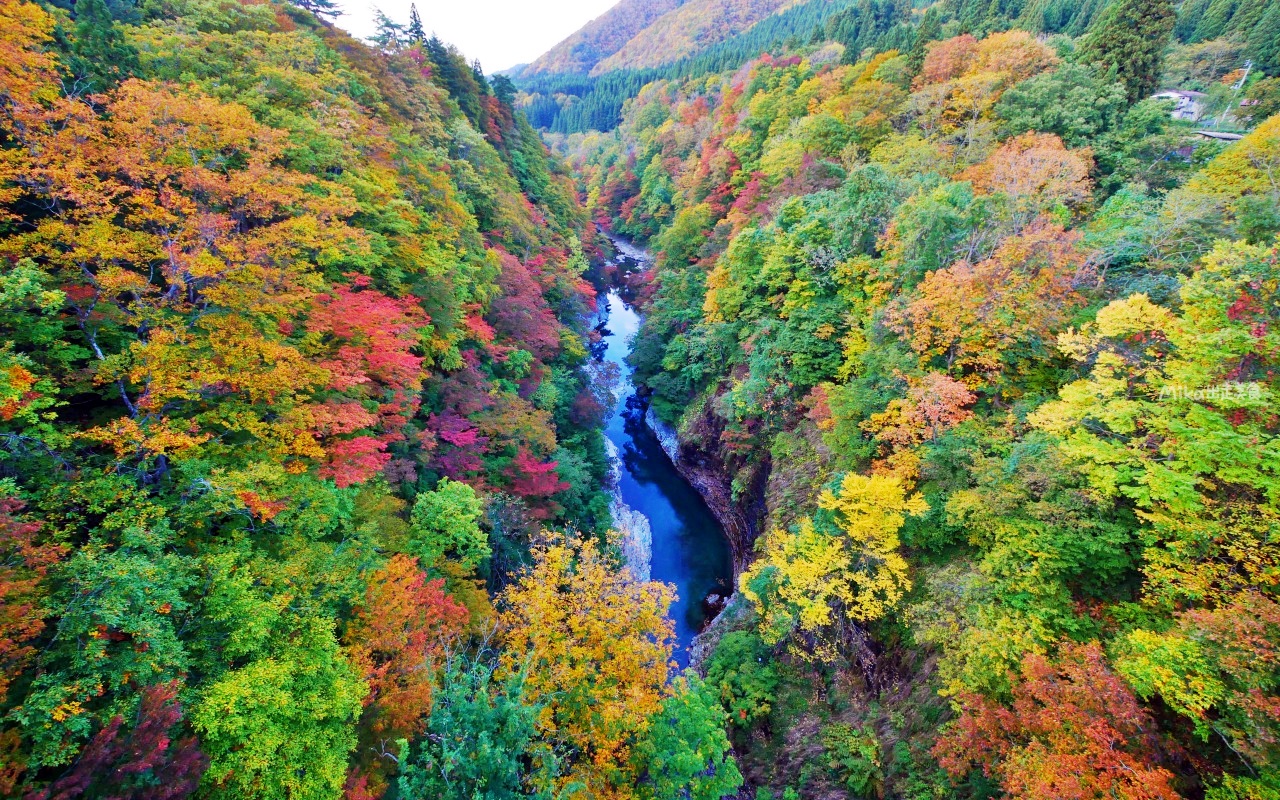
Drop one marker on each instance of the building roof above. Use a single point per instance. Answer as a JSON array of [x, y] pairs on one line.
[[1221, 136]]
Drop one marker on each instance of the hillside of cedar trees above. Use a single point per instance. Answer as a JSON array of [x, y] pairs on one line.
[[303, 491], [995, 344]]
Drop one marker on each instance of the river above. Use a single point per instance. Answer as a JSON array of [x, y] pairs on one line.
[[689, 550]]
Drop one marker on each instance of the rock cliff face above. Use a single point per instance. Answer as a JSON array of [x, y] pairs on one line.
[[666, 434], [637, 539], [735, 616], [705, 470]]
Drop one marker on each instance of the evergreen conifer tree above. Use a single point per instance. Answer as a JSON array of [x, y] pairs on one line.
[[100, 56], [321, 8], [387, 32], [1264, 41], [504, 90], [415, 32], [929, 30], [1130, 39], [477, 72]]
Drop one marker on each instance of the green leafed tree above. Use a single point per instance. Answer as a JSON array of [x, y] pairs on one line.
[[684, 754], [283, 726], [123, 606], [1073, 101], [481, 742], [444, 523], [743, 672], [100, 56]]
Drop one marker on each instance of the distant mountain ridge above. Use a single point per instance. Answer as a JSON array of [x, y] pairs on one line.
[[693, 26], [640, 34], [602, 37]]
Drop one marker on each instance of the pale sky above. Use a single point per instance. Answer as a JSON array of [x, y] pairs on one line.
[[501, 33]]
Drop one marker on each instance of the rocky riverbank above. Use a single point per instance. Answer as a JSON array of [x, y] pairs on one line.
[[634, 530], [703, 468]]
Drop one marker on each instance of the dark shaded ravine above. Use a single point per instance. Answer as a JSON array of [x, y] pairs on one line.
[[689, 548]]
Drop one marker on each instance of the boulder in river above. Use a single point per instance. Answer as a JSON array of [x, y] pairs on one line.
[[713, 604]]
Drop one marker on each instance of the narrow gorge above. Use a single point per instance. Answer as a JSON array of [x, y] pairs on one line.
[[670, 535], [745, 400]]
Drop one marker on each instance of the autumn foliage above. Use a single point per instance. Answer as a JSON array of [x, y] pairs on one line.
[[1073, 730], [595, 646], [398, 637], [23, 566], [142, 761], [975, 348], [971, 346], [258, 298]]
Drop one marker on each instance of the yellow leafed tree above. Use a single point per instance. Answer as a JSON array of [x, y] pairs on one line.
[[843, 568], [596, 645]]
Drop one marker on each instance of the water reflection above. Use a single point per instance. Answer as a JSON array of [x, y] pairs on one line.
[[689, 549]]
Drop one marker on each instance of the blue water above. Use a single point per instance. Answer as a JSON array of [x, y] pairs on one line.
[[689, 548]]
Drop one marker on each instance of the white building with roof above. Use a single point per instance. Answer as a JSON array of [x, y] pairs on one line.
[[1186, 105]]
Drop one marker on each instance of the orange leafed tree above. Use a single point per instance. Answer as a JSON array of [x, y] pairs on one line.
[[933, 404], [24, 565], [947, 59], [27, 81], [981, 320], [1074, 731], [187, 254], [962, 79], [1037, 173], [397, 639]]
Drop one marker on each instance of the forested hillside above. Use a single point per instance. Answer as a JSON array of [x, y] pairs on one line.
[[568, 100], [301, 472], [688, 29], [970, 345], [636, 35], [983, 346], [602, 37]]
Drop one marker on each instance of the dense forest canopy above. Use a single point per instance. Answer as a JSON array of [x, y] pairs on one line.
[[974, 341], [294, 383], [983, 343]]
